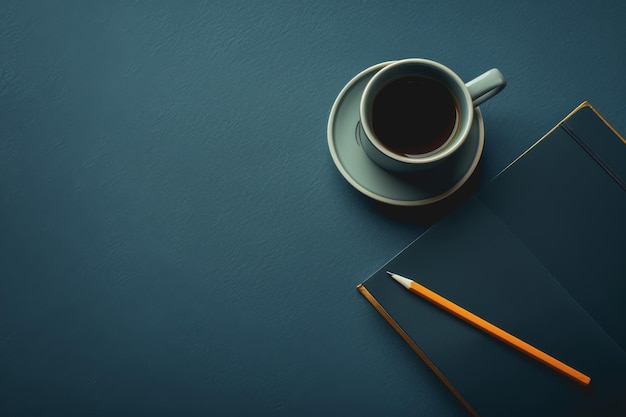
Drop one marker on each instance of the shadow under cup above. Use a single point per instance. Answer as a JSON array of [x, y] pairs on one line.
[[414, 114]]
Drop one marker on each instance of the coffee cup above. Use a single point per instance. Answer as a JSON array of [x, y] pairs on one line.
[[416, 113]]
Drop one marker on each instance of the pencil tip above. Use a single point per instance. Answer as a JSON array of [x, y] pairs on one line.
[[402, 280]]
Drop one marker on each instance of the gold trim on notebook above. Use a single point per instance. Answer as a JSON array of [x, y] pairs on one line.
[[582, 105], [415, 348], [604, 120]]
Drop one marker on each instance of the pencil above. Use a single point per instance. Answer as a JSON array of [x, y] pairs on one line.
[[491, 329]]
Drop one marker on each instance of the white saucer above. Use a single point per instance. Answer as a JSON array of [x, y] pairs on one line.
[[375, 182]]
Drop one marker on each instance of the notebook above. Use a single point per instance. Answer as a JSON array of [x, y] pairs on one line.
[[540, 251]]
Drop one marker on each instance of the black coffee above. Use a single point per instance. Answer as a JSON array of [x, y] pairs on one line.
[[414, 115]]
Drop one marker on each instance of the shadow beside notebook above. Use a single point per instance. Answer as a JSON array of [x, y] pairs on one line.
[[429, 214]]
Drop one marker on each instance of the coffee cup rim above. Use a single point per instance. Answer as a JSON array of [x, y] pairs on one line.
[[432, 156]]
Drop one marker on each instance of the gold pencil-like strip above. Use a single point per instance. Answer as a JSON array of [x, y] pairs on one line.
[[415, 348]]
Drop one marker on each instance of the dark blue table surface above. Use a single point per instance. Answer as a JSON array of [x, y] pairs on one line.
[[174, 237]]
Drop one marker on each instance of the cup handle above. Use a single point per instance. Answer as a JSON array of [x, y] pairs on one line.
[[485, 86]]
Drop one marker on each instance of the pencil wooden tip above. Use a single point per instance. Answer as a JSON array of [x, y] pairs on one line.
[[404, 281]]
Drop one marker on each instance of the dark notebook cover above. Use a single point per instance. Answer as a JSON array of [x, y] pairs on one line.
[[540, 253]]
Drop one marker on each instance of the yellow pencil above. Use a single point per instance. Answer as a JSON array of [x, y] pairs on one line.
[[491, 329]]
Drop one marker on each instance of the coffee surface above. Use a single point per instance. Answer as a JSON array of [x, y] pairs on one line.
[[414, 115]]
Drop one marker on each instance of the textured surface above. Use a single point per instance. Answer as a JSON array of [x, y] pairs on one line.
[[174, 237]]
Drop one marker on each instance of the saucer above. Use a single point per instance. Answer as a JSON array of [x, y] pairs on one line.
[[398, 189]]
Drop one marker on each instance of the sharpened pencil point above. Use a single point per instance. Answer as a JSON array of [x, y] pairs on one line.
[[406, 283]]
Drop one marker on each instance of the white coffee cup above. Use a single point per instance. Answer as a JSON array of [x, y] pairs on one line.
[[415, 113]]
